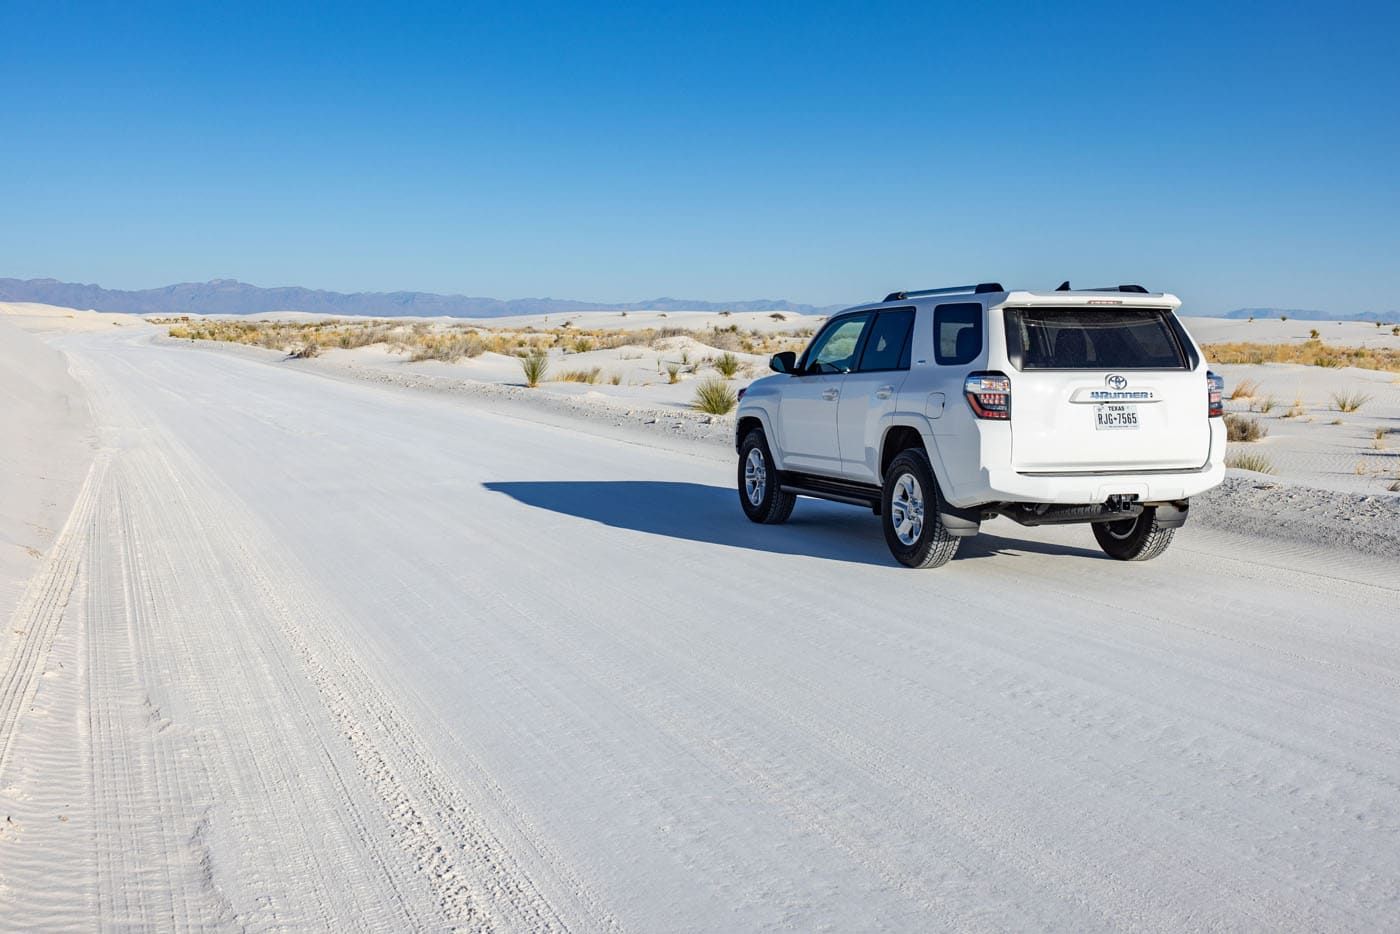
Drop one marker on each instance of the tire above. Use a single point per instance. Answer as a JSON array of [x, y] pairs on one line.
[[1137, 539], [760, 490], [917, 537]]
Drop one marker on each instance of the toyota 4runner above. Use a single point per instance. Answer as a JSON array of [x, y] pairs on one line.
[[943, 408]]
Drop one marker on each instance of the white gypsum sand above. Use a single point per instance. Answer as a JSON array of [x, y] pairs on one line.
[[339, 655]]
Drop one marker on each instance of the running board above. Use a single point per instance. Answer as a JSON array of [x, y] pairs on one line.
[[838, 491]]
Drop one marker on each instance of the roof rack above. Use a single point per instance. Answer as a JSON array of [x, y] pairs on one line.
[[977, 289], [1136, 289]]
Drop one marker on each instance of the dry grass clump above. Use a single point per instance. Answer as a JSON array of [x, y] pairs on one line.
[[1308, 353], [1264, 404], [308, 349], [534, 366], [1296, 410], [1243, 428], [580, 376], [727, 364], [1349, 401], [673, 372], [1248, 460], [1244, 389], [715, 396]]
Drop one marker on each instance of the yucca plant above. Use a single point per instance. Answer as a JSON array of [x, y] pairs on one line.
[[727, 365], [715, 396], [534, 366]]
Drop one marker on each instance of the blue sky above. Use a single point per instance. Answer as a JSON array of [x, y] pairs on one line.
[[1240, 156]]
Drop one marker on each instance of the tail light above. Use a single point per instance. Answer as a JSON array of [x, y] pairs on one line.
[[1215, 395], [989, 394]]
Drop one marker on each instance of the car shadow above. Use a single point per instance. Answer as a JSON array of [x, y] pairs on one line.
[[701, 513]]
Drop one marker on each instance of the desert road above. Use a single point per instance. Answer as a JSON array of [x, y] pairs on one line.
[[313, 653]]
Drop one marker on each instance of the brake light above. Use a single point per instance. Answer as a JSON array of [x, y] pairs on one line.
[[1215, 395], [989, 395]]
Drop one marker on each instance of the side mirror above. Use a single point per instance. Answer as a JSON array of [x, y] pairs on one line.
[[785, 362]]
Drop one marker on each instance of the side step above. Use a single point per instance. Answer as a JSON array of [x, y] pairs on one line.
[[839, 491]]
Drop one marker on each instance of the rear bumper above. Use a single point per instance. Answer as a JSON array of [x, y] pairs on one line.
[[1148, 487]]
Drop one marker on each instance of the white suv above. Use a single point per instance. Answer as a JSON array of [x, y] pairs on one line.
[[942, 408]]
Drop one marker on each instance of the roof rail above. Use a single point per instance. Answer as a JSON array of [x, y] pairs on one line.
[[977, 289], [1136, 289]]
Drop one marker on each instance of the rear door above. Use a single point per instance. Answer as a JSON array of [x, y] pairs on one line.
[[811, 399], [871, 390], [1104, 389]]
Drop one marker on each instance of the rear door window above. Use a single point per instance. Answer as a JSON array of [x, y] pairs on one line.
[[957, 333], [887, 347], [1093, 339]]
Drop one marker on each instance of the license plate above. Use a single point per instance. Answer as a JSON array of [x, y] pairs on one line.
[[1109, 417]]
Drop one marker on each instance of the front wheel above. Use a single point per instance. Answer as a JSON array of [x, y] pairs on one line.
[[760, 489], [909, 513], [1136, 539]]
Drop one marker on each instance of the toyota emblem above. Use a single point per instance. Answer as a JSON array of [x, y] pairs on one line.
[[1116, 382]]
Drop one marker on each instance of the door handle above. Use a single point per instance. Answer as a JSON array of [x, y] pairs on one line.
[[830, 395], [884, 392]]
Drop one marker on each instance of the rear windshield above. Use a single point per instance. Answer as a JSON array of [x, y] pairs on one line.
[[1093, 339]]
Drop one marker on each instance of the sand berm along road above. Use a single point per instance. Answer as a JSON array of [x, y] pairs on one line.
[[317, 654]]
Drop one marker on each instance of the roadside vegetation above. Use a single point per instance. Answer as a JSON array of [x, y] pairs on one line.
[[450, 343], [1248, 460]]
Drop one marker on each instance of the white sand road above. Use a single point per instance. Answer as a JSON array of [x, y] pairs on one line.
[[319, 654]]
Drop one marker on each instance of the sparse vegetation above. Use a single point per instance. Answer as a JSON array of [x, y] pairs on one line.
[[1248, 460], [1314, 334], [308, 349], [715, 396], [534, 366], [1263, 405], [580, 376], [1308, 353], [1243, 428], [448, 347], [1296, 410], [673, 371], [1349, 401]]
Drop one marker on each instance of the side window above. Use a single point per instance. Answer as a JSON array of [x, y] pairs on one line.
[[834, 350], [957, 333], [887, 348]]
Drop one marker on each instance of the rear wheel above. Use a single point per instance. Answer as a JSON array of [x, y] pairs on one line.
[[760, 491], [1137, 539], [909, 513]]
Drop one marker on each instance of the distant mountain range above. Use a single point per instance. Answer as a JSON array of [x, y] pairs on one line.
[[1304, 314], [231, 297]]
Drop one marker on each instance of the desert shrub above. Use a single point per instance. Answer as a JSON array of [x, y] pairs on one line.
[[727, 365], [580, 376], [715, 396], [1314, 333], [534, 366], [1248, 460], [1243, 428], [615, 379], [307, 349], [1264, 405], [674, 372], [1296, 410], [583, 344], [1350, 401], [778, 316]]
